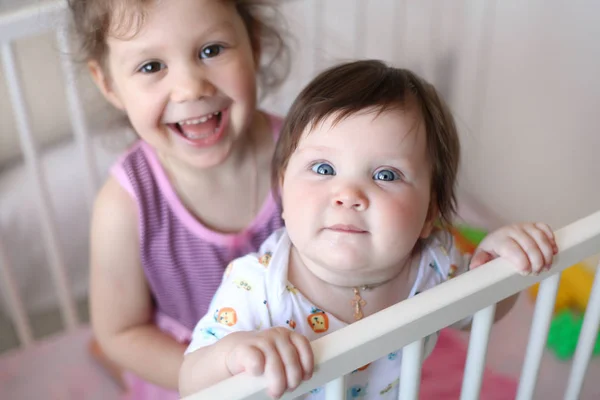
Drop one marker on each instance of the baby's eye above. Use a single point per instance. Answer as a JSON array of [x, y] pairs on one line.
[[323, 168], [211, 51], [151, 67], [386, 175]]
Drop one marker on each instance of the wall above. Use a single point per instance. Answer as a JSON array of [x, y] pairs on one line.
[[532, 153], [520, 77]]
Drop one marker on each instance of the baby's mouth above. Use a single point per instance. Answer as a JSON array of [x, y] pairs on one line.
[[200, 127]]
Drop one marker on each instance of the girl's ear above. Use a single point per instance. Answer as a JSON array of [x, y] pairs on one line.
[[256, 45], [103, 83]]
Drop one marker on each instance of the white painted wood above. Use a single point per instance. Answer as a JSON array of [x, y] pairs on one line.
[[342, 351], [30, 20], [76, 113], [587, 340], [410, 373], [478, 343], [544, 308], [10, 289], [335, 390], [47, 220]]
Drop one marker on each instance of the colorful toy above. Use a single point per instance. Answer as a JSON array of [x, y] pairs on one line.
[[572, 296], [574, 288], [467, 238], [564, 334]]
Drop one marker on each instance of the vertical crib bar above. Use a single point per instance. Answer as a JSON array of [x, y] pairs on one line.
[[360, 32], [480, 335], [410, 373], [76, 113], [544, 307], [334, 390], [43, 196], [585, 345], [11, 291]]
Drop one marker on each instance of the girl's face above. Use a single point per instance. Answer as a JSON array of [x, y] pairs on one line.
[[186, 79], [356, 196]]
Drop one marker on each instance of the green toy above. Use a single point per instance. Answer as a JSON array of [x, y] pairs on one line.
[[474, 235], [564, 334]]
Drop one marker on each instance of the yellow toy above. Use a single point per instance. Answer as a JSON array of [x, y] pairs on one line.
[[573, 290]]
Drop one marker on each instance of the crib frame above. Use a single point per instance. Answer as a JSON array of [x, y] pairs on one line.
[[404, 325], [400, 326]]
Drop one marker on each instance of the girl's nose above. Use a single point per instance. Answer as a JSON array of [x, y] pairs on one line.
[[190, 85]]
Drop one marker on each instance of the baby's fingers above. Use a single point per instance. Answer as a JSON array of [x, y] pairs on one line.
[[513, 250], [274, 370], [305, 354], [291, 361], [549, 234], [544, 242]]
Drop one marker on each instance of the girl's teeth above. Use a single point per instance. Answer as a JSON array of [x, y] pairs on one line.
[[200, 120], [199, 136]]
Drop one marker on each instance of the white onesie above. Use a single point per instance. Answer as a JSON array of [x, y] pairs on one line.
[[256, 295]]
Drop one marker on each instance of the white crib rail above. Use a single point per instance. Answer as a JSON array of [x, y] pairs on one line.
[[544, 308], [410, 373], [401, 326], [11, 293], [30, 20], [76, 113], [480, 335], [587, 338], [26, 22], [342, 351]]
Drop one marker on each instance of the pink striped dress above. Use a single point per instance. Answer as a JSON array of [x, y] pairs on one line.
[[182, 259]]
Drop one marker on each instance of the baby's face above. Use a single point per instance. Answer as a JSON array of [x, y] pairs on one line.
[[356, 195]]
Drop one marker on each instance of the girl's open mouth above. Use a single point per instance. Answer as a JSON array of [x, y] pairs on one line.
[[202, 131]]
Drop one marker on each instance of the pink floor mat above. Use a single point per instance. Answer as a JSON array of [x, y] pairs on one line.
[[442, 373], [61, 368]]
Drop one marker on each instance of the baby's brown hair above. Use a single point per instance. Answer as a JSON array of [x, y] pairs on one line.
[[94, 20], [352, 87]]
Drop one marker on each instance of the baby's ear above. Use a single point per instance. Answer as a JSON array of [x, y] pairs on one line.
[[103, 83], [432, 216], [280, 194]]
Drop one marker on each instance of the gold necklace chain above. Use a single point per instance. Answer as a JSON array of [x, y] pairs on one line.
[[358, 302]]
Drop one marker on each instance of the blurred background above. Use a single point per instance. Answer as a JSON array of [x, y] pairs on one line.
[[520, 77]]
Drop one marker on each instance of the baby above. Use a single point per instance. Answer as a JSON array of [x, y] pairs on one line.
[[366, 167]]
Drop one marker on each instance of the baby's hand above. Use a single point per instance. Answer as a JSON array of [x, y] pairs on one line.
[[530, 247], [283, 356]]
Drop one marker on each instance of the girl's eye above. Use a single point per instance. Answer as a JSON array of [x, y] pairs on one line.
[[211, 51], [386, 175], [323, 169], [152, 67]]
